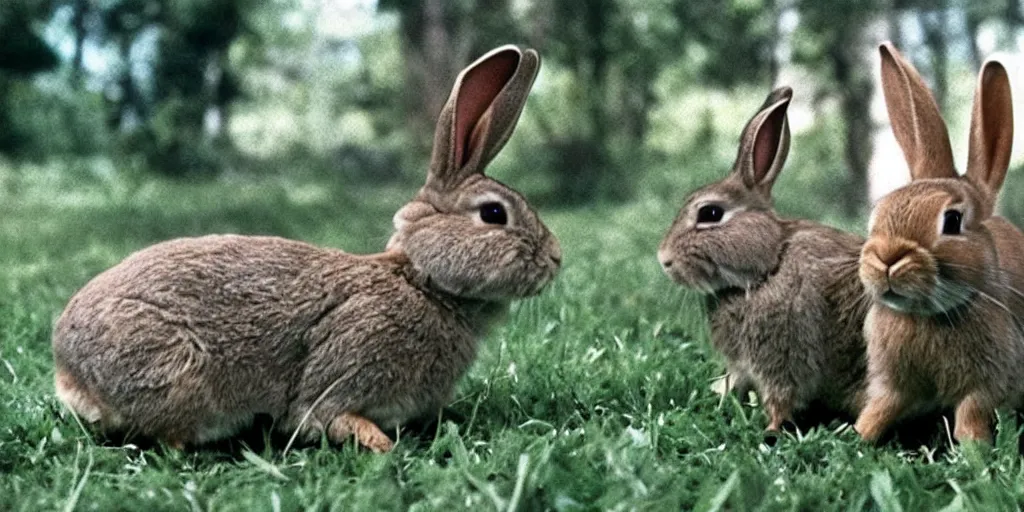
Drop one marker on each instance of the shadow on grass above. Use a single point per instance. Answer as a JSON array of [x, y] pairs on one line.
[[933, 431], [261, 437]]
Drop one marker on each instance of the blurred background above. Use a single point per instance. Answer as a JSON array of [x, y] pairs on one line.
[[637, 100]]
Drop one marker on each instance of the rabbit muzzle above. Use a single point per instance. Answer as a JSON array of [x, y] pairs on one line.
[[901, 275], [692, 271]]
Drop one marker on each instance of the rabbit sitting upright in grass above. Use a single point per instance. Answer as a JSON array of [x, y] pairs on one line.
[[186, 341], [785, 305], [944, 272]]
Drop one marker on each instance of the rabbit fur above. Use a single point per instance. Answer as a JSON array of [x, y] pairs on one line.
[[944, 273], [187, 340], [784, 303]]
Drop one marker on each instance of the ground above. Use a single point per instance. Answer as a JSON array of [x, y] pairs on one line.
[[594, 395]]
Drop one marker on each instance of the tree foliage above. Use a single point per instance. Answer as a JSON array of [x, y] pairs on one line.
[[174, 75], [23, 53]]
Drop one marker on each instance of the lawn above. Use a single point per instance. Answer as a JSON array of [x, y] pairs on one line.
[[594, 395]]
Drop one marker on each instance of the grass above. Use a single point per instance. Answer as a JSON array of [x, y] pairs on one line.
[[592, 396]]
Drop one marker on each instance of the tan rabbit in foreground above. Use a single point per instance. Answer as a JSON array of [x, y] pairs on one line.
[[944, 273], [187, 340], [784, 302]]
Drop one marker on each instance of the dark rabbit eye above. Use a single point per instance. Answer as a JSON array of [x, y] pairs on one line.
[[710, 213], [951, 222], [493, 213]]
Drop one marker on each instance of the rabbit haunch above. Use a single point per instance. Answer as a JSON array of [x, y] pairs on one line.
[[188, 340]]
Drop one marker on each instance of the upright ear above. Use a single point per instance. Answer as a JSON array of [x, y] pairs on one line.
[[481, 113], [916, 121], [764, 144], [988, 155]]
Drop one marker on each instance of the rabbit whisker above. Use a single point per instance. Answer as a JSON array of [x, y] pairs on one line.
[[998, 283], [950, 294], [993, 300]]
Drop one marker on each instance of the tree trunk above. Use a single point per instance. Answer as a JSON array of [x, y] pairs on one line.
[[81, 11], [119, 116], [541, 21], [586, 161], [892, 19], [972, 23], [437, 50], [637, 99], [853, 76], [935, 26], [774, 66], [596, 22], [8, 137], [431, 63]]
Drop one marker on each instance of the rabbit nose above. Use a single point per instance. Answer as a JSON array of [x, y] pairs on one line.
[[896, 258], [902, 266], [664, 258], [889, 258], [555, 251]]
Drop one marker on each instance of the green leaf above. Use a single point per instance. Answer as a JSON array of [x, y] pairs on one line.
[[883, 493]]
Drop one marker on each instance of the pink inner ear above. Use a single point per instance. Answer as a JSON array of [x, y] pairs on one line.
[[766, 144], [479, 87]]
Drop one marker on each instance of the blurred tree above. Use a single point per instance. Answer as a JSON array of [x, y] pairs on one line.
[[122, 24], [833, 40], [937, 22], [172, 71], [1014, 19], [580, 36], [736, 36], [935, 26], [83, 14], [615, 50], [439, 38], [977, 12], [177, 119], [193, 73], [23, 53]]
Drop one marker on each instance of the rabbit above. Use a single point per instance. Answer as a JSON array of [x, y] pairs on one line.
[[187, 340], [943, 272], [784, 303]]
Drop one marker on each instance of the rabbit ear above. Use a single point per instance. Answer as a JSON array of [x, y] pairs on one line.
[[916, 121], [765, 143], [991, 142], [481, 113]]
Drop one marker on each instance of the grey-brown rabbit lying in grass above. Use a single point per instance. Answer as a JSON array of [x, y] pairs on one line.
[[186, 341], [785, 305]]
